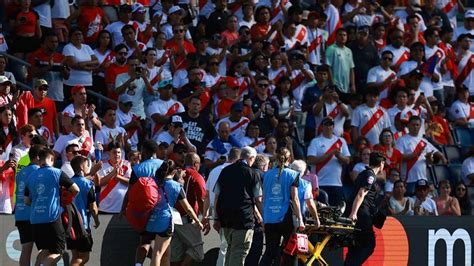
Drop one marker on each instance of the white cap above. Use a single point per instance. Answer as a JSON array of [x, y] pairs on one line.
[[4, 79], [469, 14], [174, 9], [176, 119], [125, 98], [138, 7]]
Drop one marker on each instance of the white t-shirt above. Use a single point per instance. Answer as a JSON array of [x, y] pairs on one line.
[[163, 136], [115, 28], [359, 167], [67, 169], [260, 143], [122, 119], [467, 169], [298, 92], [429, 205], [329, 174], [136, 89], [237, 129], [376, 75], [168, 108], [467, 59], [406, 145], [339, 118], [361, 116], [44, 12], [211, 182], [85, 143], [112, 203], [79, 77], [3, 43], [461, 110]]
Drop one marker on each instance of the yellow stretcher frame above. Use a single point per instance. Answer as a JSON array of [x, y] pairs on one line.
[[315, 251]]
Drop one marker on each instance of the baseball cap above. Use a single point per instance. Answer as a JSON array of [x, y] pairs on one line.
[[41, 82], [422, 183], [126, 7], [469, 14], [125, 98], [174, 9], [232, 82], [327, 121], [4, 79], [76, 89], [137, 7], [364, 28], [238, 106], [164, 83], [297, 55], [176, 120]]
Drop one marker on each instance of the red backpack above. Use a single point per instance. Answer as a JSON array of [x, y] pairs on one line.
[[142, 198]]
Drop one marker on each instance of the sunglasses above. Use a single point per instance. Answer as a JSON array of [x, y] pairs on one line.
[[43, 88], [387, 58], [263, 85], [74, 152], [178, 31], [123, 53], [129, 104]]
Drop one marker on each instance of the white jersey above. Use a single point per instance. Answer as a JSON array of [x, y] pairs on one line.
[[430, 54], [211, 182], [316, 42], [428, 205], [466, 67], [212, 154], [258, 144], [85, 143], [46, 134], [275, 75], [329, 172], [9, 145], [332, 110], [112, 199], [405, 115], [467, 169], [460, 110], [415, 169], [67, 169], [237, 129], [298, 84], [377, 75], [359, 167], [168, 108], [460, 30], [115, 28], [122, 119], [400, 55], [361, 117]]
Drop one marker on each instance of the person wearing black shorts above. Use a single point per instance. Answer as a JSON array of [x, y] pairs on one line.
[[85, 203], [363, 211], [42, 192]]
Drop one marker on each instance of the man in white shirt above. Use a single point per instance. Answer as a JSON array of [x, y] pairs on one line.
[[79, 107], [466, 63], [71, 151], [468, 169], [331, 106], [461, 112], [115, 28], [329, 153], [78, 135], [134, 83], [382, 78], [400, 52], [468, 26], [424, 206], [238, 123], [401, 107], [417, 153], [161, 110], [434, 65], [369, 119], [113, 178]]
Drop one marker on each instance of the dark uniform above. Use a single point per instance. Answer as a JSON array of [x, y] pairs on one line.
[[365, 238]]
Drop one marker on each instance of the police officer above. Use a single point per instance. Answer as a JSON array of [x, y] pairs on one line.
[[363, 211]]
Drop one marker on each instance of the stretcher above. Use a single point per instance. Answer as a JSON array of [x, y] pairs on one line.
[[335, 231]]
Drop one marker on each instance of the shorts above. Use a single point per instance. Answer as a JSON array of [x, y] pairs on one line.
[[187, 240], [50, 236], [25, 44], [83, 244], [25, 230]]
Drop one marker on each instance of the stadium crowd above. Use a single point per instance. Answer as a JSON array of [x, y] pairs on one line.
[[114, 91]]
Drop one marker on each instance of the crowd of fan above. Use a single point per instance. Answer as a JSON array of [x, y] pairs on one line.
[[330, 82]]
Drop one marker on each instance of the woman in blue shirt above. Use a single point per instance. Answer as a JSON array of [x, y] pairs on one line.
[[280, 203], [160, 222]]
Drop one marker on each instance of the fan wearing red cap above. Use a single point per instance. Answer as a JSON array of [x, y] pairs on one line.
[[79, 107], [228, 94]]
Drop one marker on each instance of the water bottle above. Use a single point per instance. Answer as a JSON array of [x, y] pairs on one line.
[[97, 152]]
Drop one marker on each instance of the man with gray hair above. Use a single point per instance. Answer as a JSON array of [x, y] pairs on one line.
[[234, 156], [305, 192], [237, 192]]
